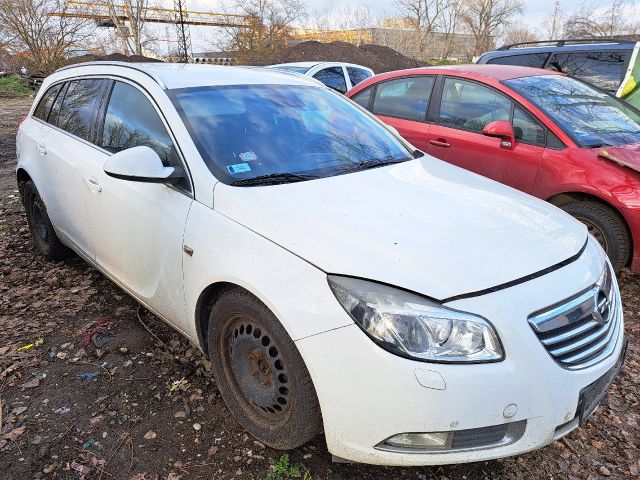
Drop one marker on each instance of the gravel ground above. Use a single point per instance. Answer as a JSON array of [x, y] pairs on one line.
[[140, 407]]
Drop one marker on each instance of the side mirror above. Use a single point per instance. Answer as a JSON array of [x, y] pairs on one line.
[[141, 164], [503, 130]]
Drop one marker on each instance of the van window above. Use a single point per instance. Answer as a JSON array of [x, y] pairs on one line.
[[77, 107], [535, 60], [602, 69], [44, 106], [406, 97], [131, 121]]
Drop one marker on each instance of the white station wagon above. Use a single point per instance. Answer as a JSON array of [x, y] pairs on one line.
[[340, 76], [338, 279]]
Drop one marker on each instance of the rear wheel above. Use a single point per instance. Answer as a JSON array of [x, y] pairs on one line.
[[607, 227], [260, 373], [44, 236]]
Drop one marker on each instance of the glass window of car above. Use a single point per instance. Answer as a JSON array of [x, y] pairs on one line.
[[78, 105], [528, 130], [362, 98], [54, 114], [44, 106], [357, 75], [470, 106], [291, 68], [535, 60], [244, 132], [602, 69], [332, 77], [592, 117], [132, 121], [406, 97]]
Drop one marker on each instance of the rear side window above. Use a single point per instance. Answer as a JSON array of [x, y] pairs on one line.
[[362, 98], [78, 105], [406, 98], [332, 77], [602, 69], [357, 75], [131, 121], [535, 60], [44, 106], [471, 106], [54, 114]]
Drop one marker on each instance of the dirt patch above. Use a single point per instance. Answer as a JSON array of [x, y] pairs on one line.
[[96, 396], [376, 57]]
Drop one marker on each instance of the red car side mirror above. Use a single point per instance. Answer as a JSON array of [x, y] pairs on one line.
[[503, 130]]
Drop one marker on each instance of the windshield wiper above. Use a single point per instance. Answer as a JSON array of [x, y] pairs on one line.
[[272, 179], [368, 164]]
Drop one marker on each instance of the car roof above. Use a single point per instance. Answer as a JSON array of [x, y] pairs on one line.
[[580, 47], [184, 75], [495, 72], [315, 64]]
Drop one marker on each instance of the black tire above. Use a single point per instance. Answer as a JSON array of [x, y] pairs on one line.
[[260, 373], [608, 228], [42, 232]]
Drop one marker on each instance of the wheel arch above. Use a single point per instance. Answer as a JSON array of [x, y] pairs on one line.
[[22, 177], [564, 198]]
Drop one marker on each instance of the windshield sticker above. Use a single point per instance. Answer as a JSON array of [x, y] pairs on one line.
[[239, 168], [248, 156]]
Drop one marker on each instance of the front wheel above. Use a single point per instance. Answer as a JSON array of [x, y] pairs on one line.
[[260, 373], [607, 227]]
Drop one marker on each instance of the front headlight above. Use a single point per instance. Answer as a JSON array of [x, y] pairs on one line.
[[412, 326]]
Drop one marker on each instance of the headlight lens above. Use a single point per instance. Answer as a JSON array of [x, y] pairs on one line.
[[412, 326]]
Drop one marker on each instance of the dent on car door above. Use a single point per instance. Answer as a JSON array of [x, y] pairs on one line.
[[403, 103], [65, 150], [466, 107], [138, 227]]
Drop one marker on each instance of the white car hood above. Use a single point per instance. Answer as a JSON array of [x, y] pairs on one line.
[[423, 225]]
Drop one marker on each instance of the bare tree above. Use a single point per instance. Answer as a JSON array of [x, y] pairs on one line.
[[519, 32], [486, 19], [132, 33], [271, 22], [588, 22], [425, 15], [29, 25]]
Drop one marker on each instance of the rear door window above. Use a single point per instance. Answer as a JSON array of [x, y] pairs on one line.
[[78, 106], [406, 98], [332, 77], [601, 69], [357, 75], [470, 106], [535, 60], [54, 114], [44, 106]]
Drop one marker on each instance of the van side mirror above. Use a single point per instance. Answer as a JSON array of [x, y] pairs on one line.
[[141, 164], [503, 130]]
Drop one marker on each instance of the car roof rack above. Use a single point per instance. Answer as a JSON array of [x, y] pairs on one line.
[[568, 41]]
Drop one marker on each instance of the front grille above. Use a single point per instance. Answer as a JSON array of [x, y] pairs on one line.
[[581, 331]]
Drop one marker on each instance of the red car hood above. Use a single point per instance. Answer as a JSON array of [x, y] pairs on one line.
[[625, 155]]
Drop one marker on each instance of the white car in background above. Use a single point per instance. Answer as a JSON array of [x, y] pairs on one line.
[[340, 76], [338, 279]]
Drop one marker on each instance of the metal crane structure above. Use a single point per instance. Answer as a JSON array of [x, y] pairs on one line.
[[115, 15]]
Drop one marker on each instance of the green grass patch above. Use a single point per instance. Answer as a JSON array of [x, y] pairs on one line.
[[283, 469], [14, 85]]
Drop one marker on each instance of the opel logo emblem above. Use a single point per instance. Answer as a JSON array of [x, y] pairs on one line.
[[601, 305]]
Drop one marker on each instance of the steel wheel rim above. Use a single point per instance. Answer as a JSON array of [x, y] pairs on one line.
[[596, 231], [257, 371]]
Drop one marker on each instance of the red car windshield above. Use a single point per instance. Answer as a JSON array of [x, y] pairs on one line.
[[593, 118]]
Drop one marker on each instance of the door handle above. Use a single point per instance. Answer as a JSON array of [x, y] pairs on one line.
[[441, 142], [93, 185], [42, 150]]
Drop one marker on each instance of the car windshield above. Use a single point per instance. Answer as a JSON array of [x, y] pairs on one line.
[[593, 118], [283, 133], [291, 68]]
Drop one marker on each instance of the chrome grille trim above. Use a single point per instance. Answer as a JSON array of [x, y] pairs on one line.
[[583, 330]]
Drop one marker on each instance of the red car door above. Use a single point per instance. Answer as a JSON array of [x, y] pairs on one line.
[[466, 107], [402, 103]]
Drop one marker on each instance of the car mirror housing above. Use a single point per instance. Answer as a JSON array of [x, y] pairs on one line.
[[503, 130], [141, 164]]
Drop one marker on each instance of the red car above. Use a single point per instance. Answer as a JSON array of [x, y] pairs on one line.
[[541, 132]]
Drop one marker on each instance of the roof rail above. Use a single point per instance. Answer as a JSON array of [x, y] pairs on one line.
[[131, 65], [565, 41]]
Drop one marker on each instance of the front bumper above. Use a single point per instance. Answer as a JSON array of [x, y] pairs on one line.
[[368, 395]]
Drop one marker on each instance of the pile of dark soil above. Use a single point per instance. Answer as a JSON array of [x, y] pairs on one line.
[[376, 57]]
